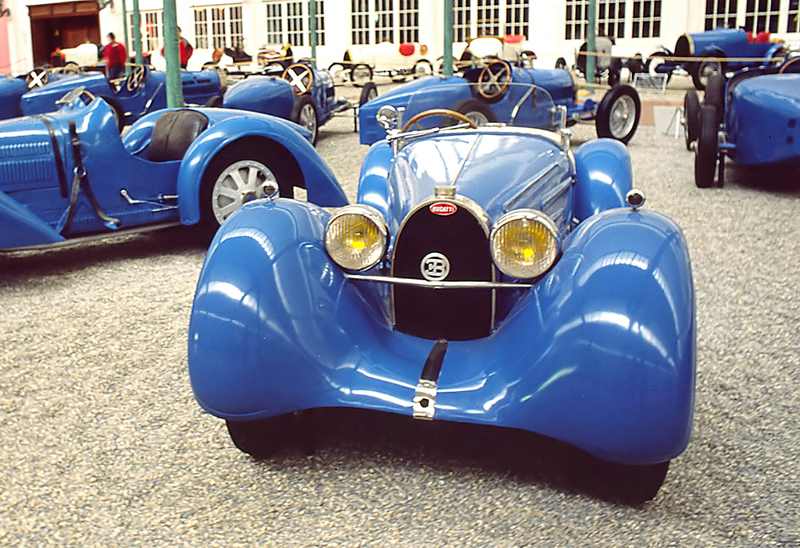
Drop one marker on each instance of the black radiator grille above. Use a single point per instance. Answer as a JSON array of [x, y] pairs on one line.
[[452, 314]]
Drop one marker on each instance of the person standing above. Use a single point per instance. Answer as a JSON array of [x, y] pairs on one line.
[[186, 49], [115, 55]]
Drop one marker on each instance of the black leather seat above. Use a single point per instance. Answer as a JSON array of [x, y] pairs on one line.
[[174, 133]]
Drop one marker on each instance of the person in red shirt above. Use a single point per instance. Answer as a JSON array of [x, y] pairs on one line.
[[186, 49], [115, 55]]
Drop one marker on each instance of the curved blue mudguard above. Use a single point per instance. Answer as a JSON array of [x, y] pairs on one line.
[[600, 353], [320, 182], [265, 94], [11, 92], [603, 174]]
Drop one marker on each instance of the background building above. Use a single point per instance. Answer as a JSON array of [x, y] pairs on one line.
[[32, 29]]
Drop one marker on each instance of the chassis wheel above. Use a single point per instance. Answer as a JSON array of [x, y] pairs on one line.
[[705, 160], [238, 175], [715, 95], [260, 438], [703, 69], [691, 114], [423, 68], [368, 93], [629, 484], [477, 111], [360, 74], [119, 112], [561, 63], [650, 67], [304, 114], [618, 114]]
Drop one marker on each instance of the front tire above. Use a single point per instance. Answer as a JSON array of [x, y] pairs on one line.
[[715, 95], [705, 161], [304, 114], [628, 484], [368, 93], [618, 114], [360, 74], [479, 112], [705, 68], [240, 174], [691, 115], [260, 438]]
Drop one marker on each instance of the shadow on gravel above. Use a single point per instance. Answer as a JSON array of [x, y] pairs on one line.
[[70, 258], [776, 180], [505, 453]]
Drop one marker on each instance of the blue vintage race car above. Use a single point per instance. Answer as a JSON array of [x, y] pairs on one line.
[[143, 91], [486, 275], [500, 92], [741, 47], [69, 174], [13, 88], [753, 119], [299, 93]]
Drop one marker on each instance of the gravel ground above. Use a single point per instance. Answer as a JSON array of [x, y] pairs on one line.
[[103, 443]]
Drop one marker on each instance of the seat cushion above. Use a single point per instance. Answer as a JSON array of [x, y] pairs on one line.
[[174, 133]]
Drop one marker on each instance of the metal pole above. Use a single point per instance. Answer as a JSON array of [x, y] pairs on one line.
[[172, 55], [137, 32], [448, 38], [312, 29], [591, 41], [125, 33]]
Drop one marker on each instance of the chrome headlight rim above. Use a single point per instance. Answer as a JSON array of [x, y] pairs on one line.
[[535, 216], [372, 215]]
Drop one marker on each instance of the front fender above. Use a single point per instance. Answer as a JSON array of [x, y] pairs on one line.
[[604, 175], [600, 353], [265, 94], [321, 184], [21, 228], [373, 187]]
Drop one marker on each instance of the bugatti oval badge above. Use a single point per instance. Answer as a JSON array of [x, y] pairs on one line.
[[443, 208], [434, 267]]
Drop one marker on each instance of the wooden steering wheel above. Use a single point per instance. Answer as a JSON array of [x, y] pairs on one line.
[[438, 112], [135, 78], [494, 79], [300, 77]]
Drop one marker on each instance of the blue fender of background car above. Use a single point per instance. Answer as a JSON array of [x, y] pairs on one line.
[[11, 91], [265, 94], [318, 179], [762, 120], [600, 353]]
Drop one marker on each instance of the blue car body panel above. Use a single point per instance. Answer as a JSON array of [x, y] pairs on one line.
[[13, 89], [34, 191], [275, 96], [598, 352], [762, 119]]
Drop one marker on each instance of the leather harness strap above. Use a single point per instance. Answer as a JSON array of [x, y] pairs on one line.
[[62, 174], [79, 180]]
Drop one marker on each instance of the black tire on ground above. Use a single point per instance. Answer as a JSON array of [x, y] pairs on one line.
[[618, 114], [422, 68], [705, 160], [304, 114], [474, 109], [614, 71], [260, 438], [691, 116], [702, 69], [526, 59], [653, 61], [561, 63], [215, 101], [360, 74], [368, 93], [119, 112], [636, 64], [271, 163], [715, 95], [628, 484]]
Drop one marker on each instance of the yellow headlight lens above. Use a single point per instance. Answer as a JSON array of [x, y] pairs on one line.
[[524, 244], [356, 237]]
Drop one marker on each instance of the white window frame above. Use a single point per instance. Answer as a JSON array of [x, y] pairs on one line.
[[222, 27], [286, 22], [472, 18], [781, 18], [375, 21], [647, 23], [755, 14], [152, 27], [614, 18]]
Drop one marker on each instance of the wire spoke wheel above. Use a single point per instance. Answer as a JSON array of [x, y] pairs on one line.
[[239, 183], [623, 116]]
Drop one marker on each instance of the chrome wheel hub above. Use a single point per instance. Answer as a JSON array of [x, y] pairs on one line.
[[239, 183]]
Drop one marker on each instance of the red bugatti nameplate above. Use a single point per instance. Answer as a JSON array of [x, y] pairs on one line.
[[443, 208]]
